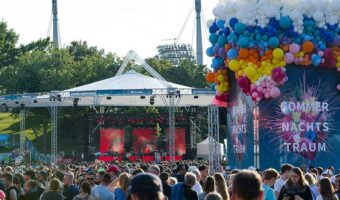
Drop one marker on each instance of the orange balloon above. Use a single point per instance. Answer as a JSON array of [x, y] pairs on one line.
[[210, 77], [308, 46], [243, 53]]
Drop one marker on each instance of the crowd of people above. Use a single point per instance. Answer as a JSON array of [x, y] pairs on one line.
[[183, 180]]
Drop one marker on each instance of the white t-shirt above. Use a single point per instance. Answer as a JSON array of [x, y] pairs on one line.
[[279, 184], [197, 188]]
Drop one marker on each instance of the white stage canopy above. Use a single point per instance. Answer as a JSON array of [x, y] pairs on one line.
[[128, 89]]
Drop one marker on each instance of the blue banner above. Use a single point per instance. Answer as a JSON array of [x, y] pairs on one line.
[[302, 126], [240, 132]]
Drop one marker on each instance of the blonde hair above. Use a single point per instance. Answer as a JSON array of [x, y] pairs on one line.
[[310, 179], [172, 181], [221, 186], [124, 181]]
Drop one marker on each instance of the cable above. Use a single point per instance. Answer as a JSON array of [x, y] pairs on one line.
[[49, 26], [205, 25], [193, 34], [185, 22]]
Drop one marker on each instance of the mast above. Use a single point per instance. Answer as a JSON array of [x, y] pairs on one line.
[[199, 48], [55, 24]]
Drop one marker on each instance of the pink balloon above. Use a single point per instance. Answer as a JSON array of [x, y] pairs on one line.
[[294, 48], [300, 59], [338, 86], [338, 69], [289, 58], [267, 95], [258, 99], [255, 94], [275, 92]]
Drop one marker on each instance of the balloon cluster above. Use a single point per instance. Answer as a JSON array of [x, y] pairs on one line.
[[257, 39]]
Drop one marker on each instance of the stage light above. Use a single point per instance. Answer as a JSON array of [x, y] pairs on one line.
[[59, 97], [195, 97], [108, 98], [35, 101], [3, 104], [142, 97], [17, 102], [152, 100], [22, 106], [178, 93], [75, 102]]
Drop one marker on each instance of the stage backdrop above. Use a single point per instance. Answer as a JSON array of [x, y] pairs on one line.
[[240, 132], [179, 141], [111, 140], [302, 126], [144, 140]]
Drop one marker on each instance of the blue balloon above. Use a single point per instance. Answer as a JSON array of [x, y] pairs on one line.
[[222, 40], [210, 51], [273, 42], [215, 62], [240, 28], [232, 53], [243, 42], [232, 22], [226, 31], [285, 22], [222, 52], [234, 38], [221, 62], [216, 50], [213, 29], [220, 24], [212, 87], [213, 38]]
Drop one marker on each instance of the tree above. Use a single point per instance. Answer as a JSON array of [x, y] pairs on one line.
[[8, 51]]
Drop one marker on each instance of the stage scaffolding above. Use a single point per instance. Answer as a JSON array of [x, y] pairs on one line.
[[213, 135]]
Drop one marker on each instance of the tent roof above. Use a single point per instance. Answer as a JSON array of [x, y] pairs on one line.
[[206, 141], [130, 80]]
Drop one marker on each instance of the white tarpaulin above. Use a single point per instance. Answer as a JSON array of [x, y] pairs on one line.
[[130, 80], [203, 149]]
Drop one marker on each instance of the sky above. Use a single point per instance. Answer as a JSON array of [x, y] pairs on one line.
[[113, 25]]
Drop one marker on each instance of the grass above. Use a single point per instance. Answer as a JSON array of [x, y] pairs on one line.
[[10, 124]]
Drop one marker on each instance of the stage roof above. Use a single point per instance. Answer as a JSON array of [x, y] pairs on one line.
[[128, 89], [130, 80]]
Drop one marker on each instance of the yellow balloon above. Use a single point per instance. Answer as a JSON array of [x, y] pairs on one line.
[[250, 72], [278, 53], [220, 78], [234, 65]]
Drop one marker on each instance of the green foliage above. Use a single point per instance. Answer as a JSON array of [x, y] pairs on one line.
[[8, 51]]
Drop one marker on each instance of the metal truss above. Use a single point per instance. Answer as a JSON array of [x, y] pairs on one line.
[[213, 135]]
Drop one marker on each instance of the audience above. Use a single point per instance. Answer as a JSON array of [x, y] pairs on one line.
[[164, 181]]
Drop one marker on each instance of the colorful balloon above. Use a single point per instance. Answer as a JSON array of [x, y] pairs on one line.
[[308, 46], [278, 53], [234, 65]]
